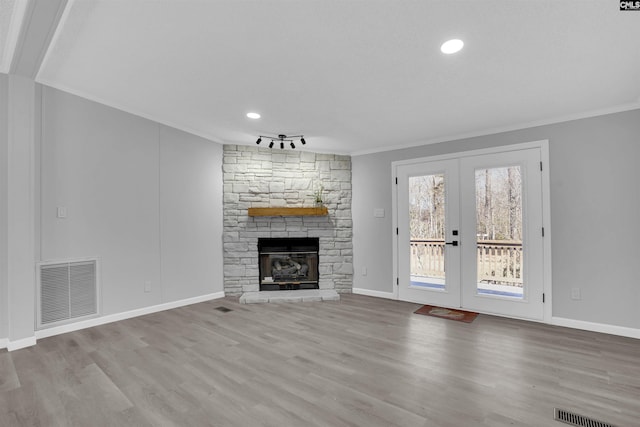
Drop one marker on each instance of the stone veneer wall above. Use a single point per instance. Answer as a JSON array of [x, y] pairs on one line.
[[262, 177]]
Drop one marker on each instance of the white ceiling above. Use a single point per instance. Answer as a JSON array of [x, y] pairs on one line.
[[352, 76]]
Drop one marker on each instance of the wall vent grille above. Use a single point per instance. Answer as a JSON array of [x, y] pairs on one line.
[[578, 420], [66, 292]]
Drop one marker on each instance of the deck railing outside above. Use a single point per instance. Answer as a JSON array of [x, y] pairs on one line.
[[499, 261]]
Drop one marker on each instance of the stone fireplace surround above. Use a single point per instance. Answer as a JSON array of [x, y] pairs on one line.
[[261, 177]]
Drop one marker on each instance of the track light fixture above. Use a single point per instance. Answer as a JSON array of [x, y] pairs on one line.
[[282, 139]]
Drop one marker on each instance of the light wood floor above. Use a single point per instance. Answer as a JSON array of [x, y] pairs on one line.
[[358, 362]]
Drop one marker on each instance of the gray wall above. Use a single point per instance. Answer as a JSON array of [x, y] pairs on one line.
[[190, 215], [144, 198], [595, 209], [22, 130], [3, 203]]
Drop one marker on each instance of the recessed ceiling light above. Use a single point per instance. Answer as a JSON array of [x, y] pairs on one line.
[[451, 46], [253, 115]]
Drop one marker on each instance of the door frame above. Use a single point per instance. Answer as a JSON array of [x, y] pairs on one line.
[[543, 145]]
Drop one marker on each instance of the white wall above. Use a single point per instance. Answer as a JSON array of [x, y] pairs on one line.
[[144, 198], [595, 211]]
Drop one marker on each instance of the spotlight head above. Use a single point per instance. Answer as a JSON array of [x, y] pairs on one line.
[[259, 141], [271, 144], [282, 145], [303, 141], [292, 145]]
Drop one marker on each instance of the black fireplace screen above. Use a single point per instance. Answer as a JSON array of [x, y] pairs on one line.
[[288, 263]]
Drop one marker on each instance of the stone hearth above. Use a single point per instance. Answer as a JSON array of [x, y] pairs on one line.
[[302, 295], [257, 177]]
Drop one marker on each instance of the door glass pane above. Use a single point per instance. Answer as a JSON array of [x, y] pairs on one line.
[[427, 231], [499, 231]]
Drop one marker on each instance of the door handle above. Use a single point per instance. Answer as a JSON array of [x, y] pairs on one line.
[[453, 243]]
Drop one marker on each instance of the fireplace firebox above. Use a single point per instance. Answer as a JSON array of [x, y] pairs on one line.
[[288, 263]]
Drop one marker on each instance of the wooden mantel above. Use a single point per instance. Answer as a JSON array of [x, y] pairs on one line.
[[283, 211]]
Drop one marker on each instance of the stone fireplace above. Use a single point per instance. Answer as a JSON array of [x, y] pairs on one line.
[[257, 177]]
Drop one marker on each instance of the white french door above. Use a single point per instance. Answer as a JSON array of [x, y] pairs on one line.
[[469, 232], [502, 220], [428, 197]]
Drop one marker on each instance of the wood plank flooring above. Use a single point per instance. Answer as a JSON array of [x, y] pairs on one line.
[[361, 361]]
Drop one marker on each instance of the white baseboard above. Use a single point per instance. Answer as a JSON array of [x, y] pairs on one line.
[[57, 330], [3, 343], [596, 327], [370, 293], [557, 321], [21, 343]]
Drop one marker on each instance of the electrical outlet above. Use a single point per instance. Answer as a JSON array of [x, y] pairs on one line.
[[364, 271], [147, 286], [575, 293]]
